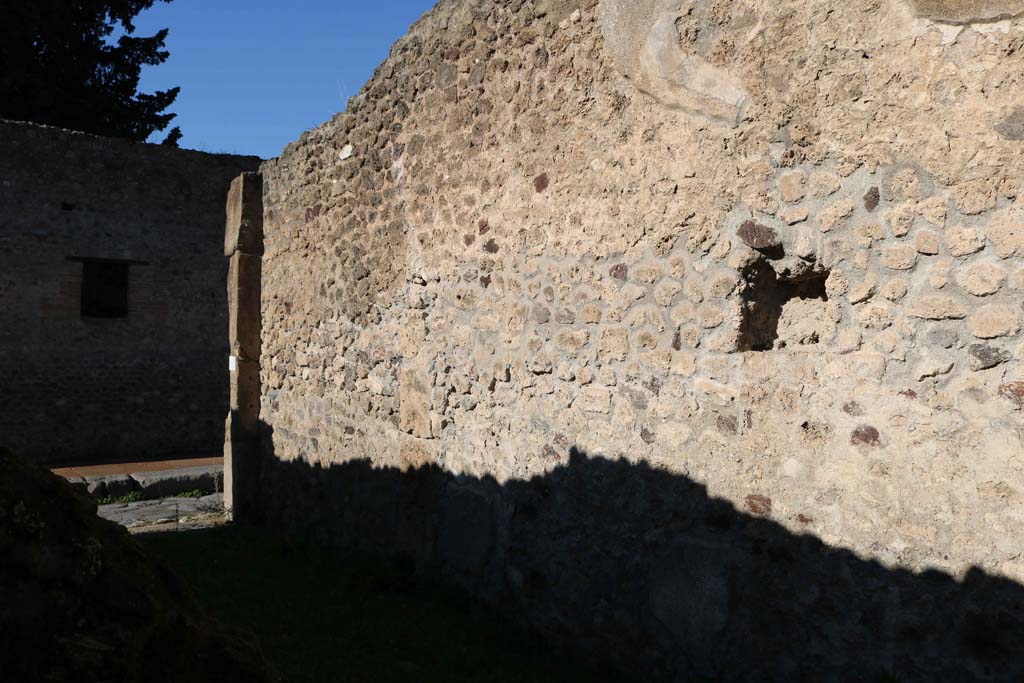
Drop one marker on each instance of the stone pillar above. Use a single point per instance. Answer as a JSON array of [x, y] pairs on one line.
[[243, 244]]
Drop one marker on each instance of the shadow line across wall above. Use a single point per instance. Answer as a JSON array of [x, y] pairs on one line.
[[640, 570]]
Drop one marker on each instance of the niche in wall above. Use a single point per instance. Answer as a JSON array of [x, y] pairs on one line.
[[765, 296]]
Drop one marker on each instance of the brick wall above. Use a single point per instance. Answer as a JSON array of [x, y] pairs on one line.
[[155, 381]]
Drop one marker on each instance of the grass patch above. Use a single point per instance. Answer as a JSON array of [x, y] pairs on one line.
[[137, 496], [321, 617], [130, 497]]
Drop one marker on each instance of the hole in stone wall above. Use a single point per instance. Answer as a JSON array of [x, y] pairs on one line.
[[765, 296]]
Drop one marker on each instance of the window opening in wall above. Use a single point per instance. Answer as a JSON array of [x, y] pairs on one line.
[[765, 297], [104, 289]]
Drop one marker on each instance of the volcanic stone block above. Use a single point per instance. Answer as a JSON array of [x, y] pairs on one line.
[[110, 485], [241, 474], [244, 229], [164, 483], [244, 317], [245, 400]]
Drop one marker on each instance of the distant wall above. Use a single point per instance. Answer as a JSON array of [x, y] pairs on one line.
[[154, 382]]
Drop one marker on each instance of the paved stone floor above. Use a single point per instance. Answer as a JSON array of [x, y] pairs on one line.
[[168, 514]]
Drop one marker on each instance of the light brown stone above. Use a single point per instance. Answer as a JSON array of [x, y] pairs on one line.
[[994, 320], [613, 344], [594, 399], [832, 215], [927, 243], [414, 403], [964, 241], [894, 289], [244, 306], [981, 279], [1006, 232], [793, 186], [899, 257], [935, 307]]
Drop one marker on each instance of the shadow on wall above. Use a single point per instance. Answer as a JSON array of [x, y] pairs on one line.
[[641, 570]]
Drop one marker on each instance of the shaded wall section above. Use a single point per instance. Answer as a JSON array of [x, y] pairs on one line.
[[641, 570], [112, 296]]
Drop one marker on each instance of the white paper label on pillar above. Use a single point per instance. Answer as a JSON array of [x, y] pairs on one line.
[[232, 363]]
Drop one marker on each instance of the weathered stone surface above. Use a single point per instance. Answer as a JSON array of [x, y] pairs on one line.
[[927, 242], [793, 186], [243, 231], [1007, 233], [964, 241], [110, 485], [994, 320], [244, 399], [414, 403], [1014, 391], [936, 307], [900, 257], [594, 399], [758, 236], [244, 314], [984, 356], [628, 315], [967, 11], [646, 40], [981, 279], [1011, 126], [165, 483], [865, 435], [871, 199]]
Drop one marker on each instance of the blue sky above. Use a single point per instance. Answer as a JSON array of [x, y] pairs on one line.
[[254, 74]]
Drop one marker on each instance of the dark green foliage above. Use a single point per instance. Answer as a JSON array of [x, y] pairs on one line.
[[80, 601], [57, 68]]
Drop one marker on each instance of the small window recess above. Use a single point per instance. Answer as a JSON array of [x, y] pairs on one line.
[[104, 291], [765, 295]]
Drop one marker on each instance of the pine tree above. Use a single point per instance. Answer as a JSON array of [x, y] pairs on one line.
[[58, 68]]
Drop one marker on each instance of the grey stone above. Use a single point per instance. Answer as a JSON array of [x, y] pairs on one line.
[[188, 512], [944, 337], [967, 11], [110, 485], [163, 483], [1012, 127], [983, 356]]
